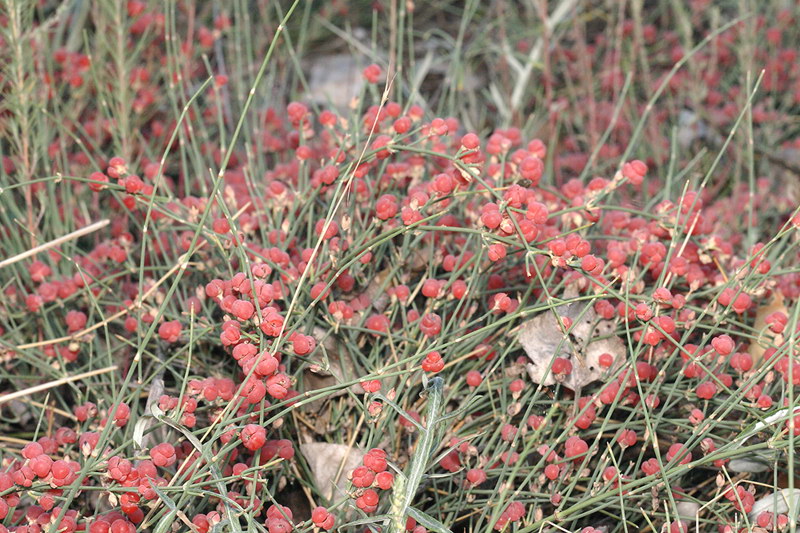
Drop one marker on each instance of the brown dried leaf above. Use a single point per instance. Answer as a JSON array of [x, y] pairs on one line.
[[756, 349], [327, 373], [324, 459], [542, 339]]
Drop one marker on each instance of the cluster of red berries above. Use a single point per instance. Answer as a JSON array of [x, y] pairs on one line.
[[446, 235], [373, 474]]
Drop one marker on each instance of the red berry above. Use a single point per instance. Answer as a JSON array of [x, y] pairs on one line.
[[170, 331], [433, 362], [362, 477], [627, 438], [574, 447], [706, 390], [163, 455], [606, 360], [242, 309], [31, 450], [676, 450], [375, 460], [75, 320], [561, 366], [384, 480], [372, 73], [253, 436], [723, 344], [221, 226], [476, 476], [386, 207], [473, 378], [430, 324], [322, 518]]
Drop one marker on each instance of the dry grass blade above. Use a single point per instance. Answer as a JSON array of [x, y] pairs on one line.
[[55, 383], [55, 242]]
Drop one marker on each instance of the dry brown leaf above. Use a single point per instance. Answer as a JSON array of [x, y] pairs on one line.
[[757, 349], [335, 78], [323, 375], [543, 340], [377, 291], [325, 460], [778, 502]]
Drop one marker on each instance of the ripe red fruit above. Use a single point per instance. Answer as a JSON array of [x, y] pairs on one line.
[[634, 171], [75, 321], [372, 73], [362, 477], [451, 462], [116, 167], [41, 465], [676, 450], [535, 421], [609, 393], [776, 321], [433, 362], [163, 454], [764, 401], [278, 386], [296, 112], [386, 207], [63, 473], [98, 181], [627, 438], [121, 415], [372, 385], [377, 323], [606, 360], [551, 471], [375, 460], [742, 361], [532, 168], [370, 497], [322, 518], [508, 432], [303, 344], [706, 390], [430, 324], [476, 476], [31, 450], [574, 447], [221, 226], [119, 469], [561, 366], [650, 467], [723, 344], [432, 288], [282, 448], [253, 436], [242, 309], [384, 480], [473, 378], [170, 331]]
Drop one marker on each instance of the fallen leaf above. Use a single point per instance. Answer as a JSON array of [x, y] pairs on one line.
[[335, 79], [778, 502], [328, 372], [376, 290], [589, 338], [325, 460], [748, 465], [687, 510], [757, 349]]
